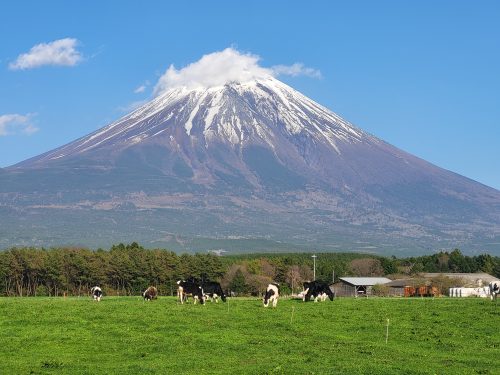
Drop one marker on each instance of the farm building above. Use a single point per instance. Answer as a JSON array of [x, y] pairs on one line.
[[435, 284], [358, 286], [411, 288], [471, 280]]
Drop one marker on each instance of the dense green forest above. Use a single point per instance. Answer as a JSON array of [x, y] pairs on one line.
[[129, 269]]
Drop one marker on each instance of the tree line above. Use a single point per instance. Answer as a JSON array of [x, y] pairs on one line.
[[130, 269]]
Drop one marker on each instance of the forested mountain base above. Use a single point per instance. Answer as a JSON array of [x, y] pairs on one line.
[[129, 269]]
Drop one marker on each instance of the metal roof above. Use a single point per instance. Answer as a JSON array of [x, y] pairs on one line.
[[401, 283], [469, 276], [476, 279], [360, 281]]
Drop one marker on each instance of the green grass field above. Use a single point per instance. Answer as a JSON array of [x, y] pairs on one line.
[[123, 335]]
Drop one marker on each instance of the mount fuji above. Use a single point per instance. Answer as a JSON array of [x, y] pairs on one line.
[[243, 166]]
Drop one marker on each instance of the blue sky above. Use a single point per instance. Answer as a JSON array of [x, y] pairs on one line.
[[424, 76]]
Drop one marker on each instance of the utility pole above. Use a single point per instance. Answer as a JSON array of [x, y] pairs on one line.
[[333, 275], [314, 267]]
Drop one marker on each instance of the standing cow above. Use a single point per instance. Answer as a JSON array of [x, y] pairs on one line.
[[150, 293], [494, 287], [272, 294], [317, 290], [96, 293], [189, 288]]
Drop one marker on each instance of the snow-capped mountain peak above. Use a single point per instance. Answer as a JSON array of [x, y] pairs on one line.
[[248, 157], [260, 111]]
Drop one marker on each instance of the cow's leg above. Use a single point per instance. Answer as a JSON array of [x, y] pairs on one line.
[[305, 294], [181, 296], [275, 301]]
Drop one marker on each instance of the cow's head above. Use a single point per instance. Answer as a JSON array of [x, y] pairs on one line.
[[201, 295], [266, 300]]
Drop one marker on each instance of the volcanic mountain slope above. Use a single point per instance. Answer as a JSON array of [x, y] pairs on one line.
[[243, 162]]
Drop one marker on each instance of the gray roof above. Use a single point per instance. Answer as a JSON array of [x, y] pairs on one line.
[[361, 281], [401, 283], [472, 278]]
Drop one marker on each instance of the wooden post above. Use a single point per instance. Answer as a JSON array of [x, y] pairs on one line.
[[387, 331]]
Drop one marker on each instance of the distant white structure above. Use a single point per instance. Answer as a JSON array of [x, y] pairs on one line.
[[482, 292]]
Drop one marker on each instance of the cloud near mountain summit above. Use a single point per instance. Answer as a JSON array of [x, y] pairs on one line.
[[218, 68]]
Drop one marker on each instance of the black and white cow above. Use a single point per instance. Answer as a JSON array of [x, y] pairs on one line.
[[494, 289], [213, 290], [96, 293], [317, 290], [150, 293], [189, 288], [272, 294]]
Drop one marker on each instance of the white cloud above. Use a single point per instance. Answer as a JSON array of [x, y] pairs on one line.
[[140, 89], [13, 124], [294, 70], [214, 69], [219, 68], [59, 52]]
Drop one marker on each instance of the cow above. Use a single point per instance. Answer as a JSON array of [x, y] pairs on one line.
[[317, 290], [494, 287], [272, 294], [189, 288], [213, 290], [150, 293], [96, 293]]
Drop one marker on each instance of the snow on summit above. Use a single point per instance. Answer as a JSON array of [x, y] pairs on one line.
[[225, 97]]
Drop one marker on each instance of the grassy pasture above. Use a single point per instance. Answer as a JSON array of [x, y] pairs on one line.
[[123, 335]]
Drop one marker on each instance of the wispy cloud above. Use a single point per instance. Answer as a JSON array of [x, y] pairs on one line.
[[62, 52], [140, 89], [294, 70], [13, 124], [229, 65]]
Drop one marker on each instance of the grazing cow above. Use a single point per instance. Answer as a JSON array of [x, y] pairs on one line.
[[213, 290], [189, 288], [494, 289], [96, 293], [317, 290], [150, 293], [272, 294]]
